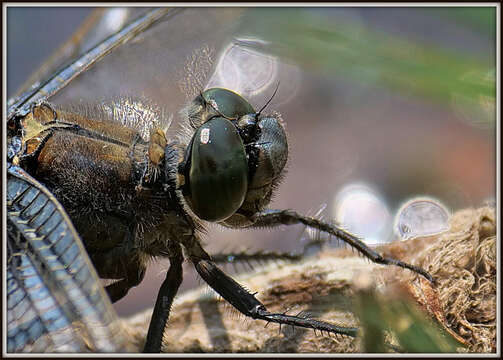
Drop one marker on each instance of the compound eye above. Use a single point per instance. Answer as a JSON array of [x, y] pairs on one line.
[[218, 175], [227, 103]]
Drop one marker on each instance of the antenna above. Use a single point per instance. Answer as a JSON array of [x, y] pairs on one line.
[[268, 101]]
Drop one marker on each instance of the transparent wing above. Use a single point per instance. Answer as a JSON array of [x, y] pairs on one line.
[[155, 64], [100, 24], [51, 85], [55, 302]]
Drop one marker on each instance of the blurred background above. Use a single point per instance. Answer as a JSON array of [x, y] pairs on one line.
[[381, 105]]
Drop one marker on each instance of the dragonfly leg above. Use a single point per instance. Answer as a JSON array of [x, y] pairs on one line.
[[264, 256], [162, 307], [119, 289], [260, 256], [269, 218], [247, 304], [244, 301]]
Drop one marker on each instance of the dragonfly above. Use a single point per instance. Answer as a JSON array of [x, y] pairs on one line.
[[97, 191]]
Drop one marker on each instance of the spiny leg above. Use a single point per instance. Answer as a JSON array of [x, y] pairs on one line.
[[119, 289], [247, 304], [235, 257], [265, 256], [269, 218], [162, 307]]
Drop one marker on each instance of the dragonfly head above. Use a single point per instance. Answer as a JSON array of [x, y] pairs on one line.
[[235, 159]]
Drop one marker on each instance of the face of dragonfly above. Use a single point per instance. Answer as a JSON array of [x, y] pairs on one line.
[[344, 121]]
